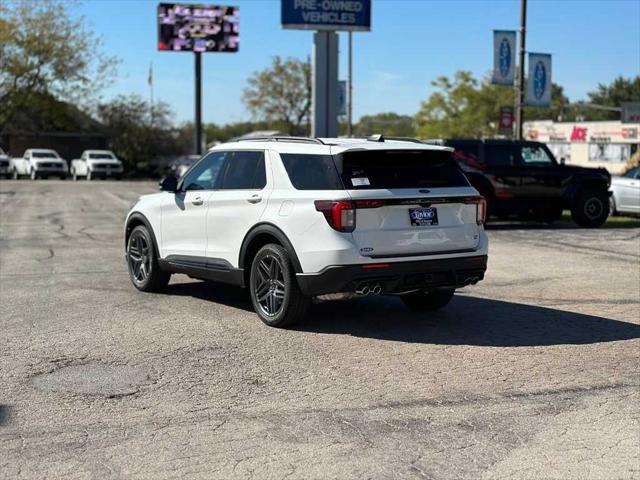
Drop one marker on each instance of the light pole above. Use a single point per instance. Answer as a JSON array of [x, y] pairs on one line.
[[520, 89]]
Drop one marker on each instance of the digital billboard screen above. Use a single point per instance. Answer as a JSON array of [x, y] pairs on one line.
[[198, 28]]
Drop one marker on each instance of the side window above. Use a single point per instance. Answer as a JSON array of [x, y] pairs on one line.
[[499, 155], [535, 155], [204, 175], [311, 172], [244, 170]]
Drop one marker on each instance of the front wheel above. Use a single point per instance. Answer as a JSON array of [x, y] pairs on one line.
[[142, 260], [590, 208], [275, 294], [427, 301]]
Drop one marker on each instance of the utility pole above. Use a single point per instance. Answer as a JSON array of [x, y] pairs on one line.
[[350, 91], [520, 89], [198, 119]]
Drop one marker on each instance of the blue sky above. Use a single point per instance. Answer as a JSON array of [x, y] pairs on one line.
[[411, 43]]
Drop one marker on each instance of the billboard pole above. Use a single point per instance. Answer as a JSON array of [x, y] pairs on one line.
[[520, 89], [350, 91], [198, 110]]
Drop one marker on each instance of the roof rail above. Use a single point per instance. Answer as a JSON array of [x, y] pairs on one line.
[[282, 138], [381, 138]]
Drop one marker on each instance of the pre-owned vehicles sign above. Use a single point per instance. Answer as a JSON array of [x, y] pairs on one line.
[[326, 14]]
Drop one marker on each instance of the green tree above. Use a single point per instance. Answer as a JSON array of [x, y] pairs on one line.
[[281, 94], [137, 135], [466, 107], [389, 123], [613, 95], [43, 49]]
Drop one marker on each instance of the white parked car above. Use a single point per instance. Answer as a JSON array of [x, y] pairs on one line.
[[96, 164], [293, 218], [625, 196], [39, 162], [5, 169]]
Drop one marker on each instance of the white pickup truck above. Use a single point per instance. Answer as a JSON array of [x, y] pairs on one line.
[[96, 163], [39, 162], [5, 170]]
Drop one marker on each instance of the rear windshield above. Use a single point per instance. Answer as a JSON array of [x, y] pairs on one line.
[[387, 169], [101, 156]]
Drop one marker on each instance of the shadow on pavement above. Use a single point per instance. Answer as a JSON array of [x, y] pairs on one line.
[[466, 321], [213, 292]]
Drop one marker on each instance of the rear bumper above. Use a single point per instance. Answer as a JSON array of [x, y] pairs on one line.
[[397, 277]]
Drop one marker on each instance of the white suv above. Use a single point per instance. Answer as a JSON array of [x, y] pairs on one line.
[[293, 218]]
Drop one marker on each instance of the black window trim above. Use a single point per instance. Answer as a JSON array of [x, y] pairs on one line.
[[223, 168]]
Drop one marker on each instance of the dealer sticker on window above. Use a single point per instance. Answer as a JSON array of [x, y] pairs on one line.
[[360, 181]]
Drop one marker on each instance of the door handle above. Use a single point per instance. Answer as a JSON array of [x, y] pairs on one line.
[[255, 198], [197, 201]]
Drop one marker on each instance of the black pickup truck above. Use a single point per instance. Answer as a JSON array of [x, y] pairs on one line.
[[524, 178]]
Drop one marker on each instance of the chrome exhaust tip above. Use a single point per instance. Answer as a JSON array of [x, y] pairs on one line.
[[363, 290], [376, 289]]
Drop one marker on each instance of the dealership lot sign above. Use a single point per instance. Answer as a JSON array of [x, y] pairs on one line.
[[326, 14]]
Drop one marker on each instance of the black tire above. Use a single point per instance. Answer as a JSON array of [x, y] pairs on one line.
[[590, 208], [427, 301], [142, 262], [274, 290]]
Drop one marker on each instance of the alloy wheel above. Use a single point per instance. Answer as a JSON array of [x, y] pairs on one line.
[[139, 255], [269, 285]]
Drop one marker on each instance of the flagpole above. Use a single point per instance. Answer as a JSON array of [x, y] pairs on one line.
[[150, 82]]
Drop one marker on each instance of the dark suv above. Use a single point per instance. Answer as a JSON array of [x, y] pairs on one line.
[[524, 178]]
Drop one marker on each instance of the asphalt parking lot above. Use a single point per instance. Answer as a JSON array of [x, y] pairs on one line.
[[533, 373]]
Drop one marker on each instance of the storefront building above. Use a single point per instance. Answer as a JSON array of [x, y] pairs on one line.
[[591, 144]]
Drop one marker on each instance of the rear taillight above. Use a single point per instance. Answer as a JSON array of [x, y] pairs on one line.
[[340, 214], [481, 208]]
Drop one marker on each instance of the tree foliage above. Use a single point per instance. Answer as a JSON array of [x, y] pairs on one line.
[[281, 94], [389, 123], [613, 95], [467, 107], [44, 49], [140, 135]]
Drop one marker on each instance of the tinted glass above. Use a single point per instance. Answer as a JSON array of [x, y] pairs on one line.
[[311, 172], [244, 171], [43, 155], [204, 175], [101, 156], [535, 155], [499, 155], [401, 169], [467, 152]]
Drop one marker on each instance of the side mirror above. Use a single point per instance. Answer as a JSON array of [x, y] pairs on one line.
[[562, 161], [169, 184]]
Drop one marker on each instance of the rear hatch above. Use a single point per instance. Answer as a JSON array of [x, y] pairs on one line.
[[410, 202]]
